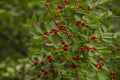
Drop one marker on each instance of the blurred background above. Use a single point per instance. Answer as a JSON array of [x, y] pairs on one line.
[[15, 38]]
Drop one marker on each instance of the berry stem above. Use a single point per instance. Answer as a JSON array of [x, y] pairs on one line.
[[65, 13], [50, 13]]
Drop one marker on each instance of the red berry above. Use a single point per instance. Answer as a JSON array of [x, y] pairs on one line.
[[97, 65], [50, 60], [93, 38], [56, 15], [49, 56], [46, 33], [36, 63], [42, 63], [113, 75], [63, 42], [60, 7], [48, 1], [45, 72], [101, 65], [88, 48], [73, 66], [78, 23], [66, 45], [94, 49], [53, 70], [89, 8], [76, 58], [66, 49], [62, 27], [66, 1], [118, 49], [101, 58], [55, 31], [38, 75], [82, 49]]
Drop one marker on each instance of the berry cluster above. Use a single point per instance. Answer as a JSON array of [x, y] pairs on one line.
[[87, 46]]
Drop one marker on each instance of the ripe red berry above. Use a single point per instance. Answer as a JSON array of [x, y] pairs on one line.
[[101, 65], [62, 42], [62, 27], [88, 48], [38, 75], [36, 63], [66, 45], [45, 72], [76, 58], [66, 1], [55, 31], [118, 49], [52, 69], [89, 8], [94, 49], [78, 23], [60, 7], [113, 75], [101, 58], [73, 66], [48, 1], [82, 49], [49, 56], [93, 38], [97, 65], [46, 33], [66, 48], [50, 60], [56, 15]]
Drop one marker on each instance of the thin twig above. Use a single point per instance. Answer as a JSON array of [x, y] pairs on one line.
[[50, 12], [65, 13]]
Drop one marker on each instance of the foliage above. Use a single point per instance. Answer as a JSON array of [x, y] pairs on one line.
[[15, 39], [72, 41]]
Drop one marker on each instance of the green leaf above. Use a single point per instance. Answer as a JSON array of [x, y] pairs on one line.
[[89, 2], [64, 37], [77, 17], [37, 27], [92, 60]]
